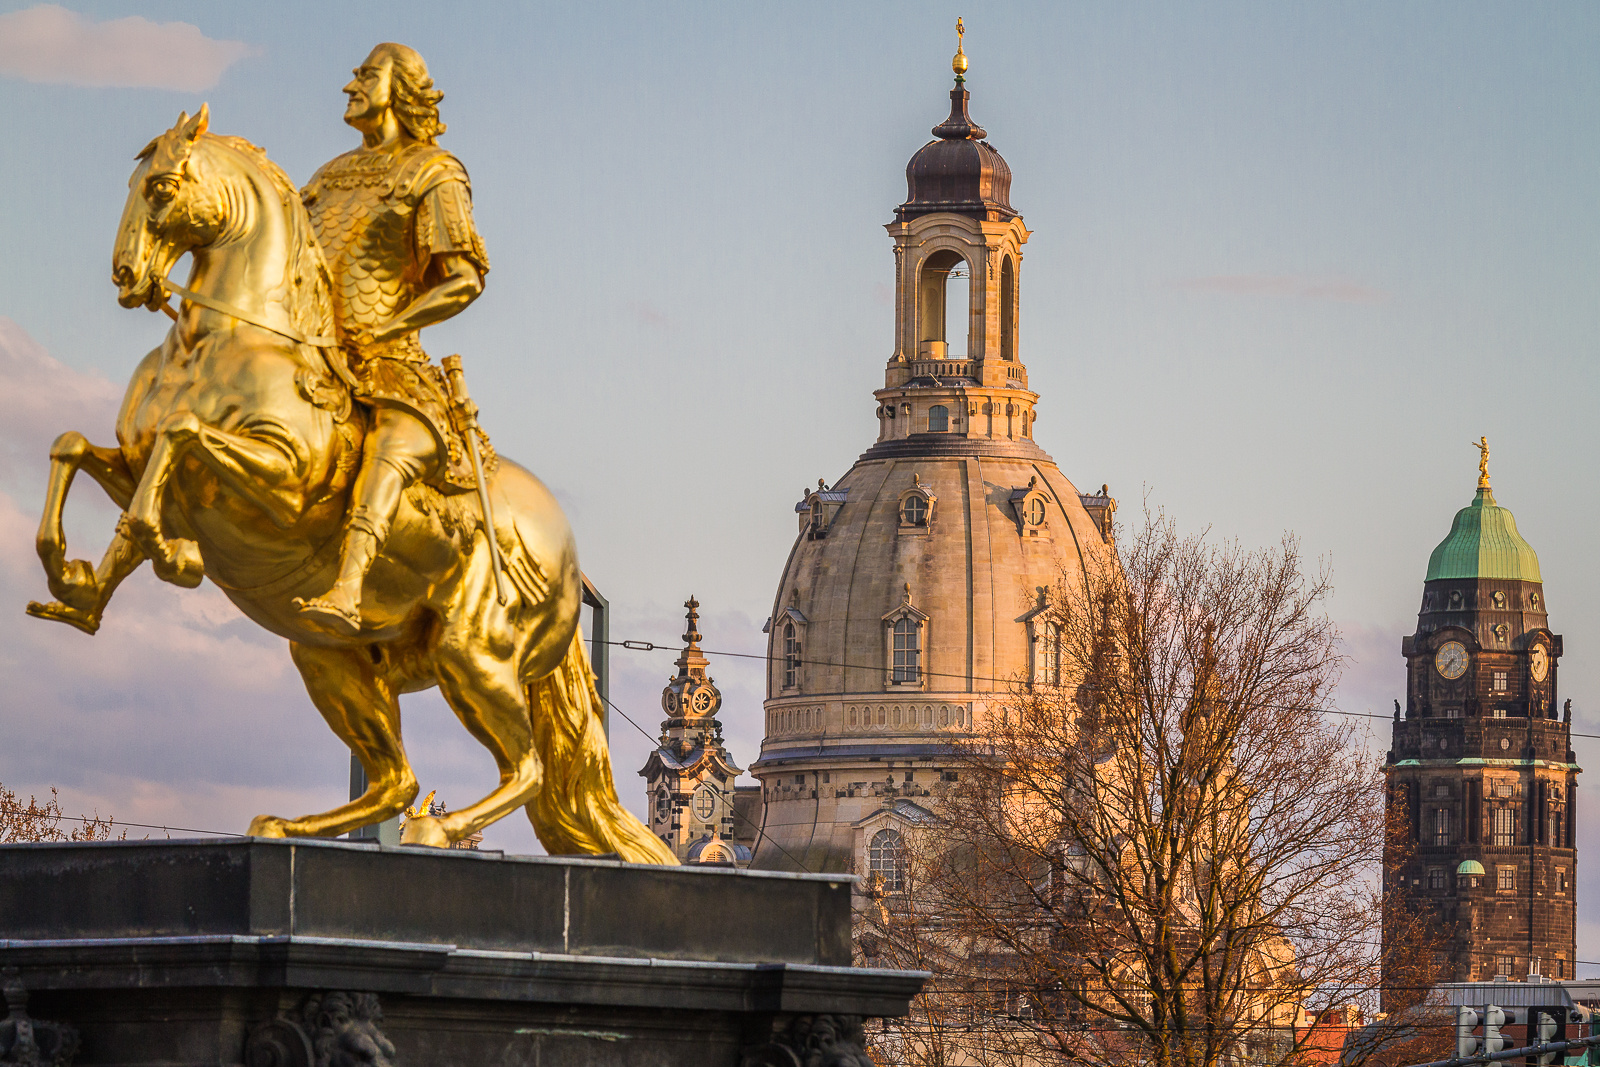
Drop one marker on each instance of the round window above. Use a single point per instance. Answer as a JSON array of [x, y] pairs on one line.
[[1036, 511], [702, 701], [915, 510], [705, 804]]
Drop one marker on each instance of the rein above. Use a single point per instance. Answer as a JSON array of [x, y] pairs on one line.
[[244, 316]]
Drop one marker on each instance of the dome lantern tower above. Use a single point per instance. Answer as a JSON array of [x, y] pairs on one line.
[[957, 219]]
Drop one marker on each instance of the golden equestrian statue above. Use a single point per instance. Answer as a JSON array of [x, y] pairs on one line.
[[290, 440]]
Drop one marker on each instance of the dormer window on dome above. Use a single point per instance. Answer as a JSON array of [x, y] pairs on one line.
[[916, 507], [1031, 507]]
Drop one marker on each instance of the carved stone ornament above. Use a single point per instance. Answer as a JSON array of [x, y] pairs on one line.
[[31, 1042], [814, 1041], [334, 1029]]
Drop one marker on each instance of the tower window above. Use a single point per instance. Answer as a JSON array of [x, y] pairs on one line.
[[886, 858], [1505, 828], [1008, 310], [1499, 681], [1435, 877], [1561, 880], [1505, 878], [907, 666], [914, 512], [1503, 965], [1441, 826], [791, 657], [1036, 511], [1050, 655], [938, 419], [944, 299]]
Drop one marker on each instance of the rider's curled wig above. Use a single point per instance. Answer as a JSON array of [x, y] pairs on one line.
[[415, 100]]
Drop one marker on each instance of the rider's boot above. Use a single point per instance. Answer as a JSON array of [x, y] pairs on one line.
[[339, 609]]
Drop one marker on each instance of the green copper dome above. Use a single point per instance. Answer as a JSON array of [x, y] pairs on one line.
[[1484, 543]]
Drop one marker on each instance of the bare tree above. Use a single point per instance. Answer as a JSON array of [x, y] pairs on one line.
[[1161, 850], [42, 822]]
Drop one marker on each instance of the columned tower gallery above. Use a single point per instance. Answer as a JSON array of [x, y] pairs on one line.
[[908, 605], [1481, 770]]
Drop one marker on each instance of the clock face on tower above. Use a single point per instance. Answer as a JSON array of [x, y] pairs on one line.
[[1538, 663], [1451, 659], [702, 701]]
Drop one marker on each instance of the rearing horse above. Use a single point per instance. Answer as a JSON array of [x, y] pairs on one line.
[[237, 446]]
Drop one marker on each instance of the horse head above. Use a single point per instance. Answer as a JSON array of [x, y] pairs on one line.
[[195, 191], [171, 209]]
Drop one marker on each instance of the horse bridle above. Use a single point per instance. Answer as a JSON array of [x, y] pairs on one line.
[[244, 316]]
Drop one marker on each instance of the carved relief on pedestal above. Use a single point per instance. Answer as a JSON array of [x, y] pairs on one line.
[[333, 1029]]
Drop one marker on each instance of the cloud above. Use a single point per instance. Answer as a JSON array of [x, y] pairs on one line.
[[1336, 289], [54, 46], [647, 314], [40, 397]]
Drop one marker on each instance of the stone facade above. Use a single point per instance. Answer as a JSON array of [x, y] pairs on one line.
[[1481, 769], [905, 609]]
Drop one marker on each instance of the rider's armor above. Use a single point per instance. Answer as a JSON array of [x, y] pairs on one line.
[[381, 218]]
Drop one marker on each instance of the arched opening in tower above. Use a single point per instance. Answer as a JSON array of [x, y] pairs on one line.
[[944, 305], [1008, 310]]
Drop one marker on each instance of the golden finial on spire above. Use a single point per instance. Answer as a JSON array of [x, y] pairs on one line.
[[959, 63], [1482, 445]]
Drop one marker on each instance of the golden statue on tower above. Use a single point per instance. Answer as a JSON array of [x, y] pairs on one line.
[[291, 440]]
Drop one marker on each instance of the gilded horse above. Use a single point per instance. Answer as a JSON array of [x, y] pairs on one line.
[[238, 442]]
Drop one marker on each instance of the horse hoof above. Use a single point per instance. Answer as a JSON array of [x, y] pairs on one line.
[[267, 826], [330, 616], [425, 830], [59, 612], [188, 568], [75, 586]]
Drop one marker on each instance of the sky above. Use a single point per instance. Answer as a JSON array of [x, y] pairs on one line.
[[1287, 262]]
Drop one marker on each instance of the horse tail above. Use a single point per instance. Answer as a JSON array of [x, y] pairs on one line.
[[577, 810]]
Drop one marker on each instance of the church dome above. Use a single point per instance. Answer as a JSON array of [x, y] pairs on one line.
[[1484, 543], [958, 171], [913, 603]]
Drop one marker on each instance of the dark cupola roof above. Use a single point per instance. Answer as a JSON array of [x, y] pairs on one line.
[[958, 171]]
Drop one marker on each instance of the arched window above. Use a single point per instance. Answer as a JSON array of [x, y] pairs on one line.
[[914, 512], [791, 657], [907, 664], [886, 859], [1008, 310], [943, 307], [938, 419]]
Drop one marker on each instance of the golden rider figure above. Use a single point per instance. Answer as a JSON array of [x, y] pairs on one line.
[[394, 218]]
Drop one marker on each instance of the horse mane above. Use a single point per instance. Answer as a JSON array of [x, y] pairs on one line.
[[306, 276]]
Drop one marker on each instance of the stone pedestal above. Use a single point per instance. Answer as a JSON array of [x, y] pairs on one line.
[[322, 953]]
